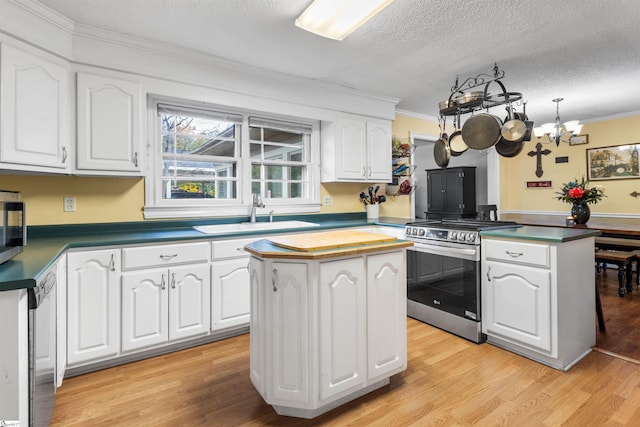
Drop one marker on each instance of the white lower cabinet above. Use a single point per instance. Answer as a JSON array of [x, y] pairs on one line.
[[518, 304], [538, 299], [230, 300], [165, 294], [323, 332], [230, 296], [164, 304], [343, 325], [93, 305]]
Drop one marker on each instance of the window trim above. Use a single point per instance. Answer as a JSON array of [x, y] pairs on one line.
[[157, 208]]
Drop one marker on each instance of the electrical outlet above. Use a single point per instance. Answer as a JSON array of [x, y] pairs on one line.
[[328, 200], [69, 204]]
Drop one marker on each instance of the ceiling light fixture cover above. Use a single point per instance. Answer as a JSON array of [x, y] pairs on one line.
[[336, 19]]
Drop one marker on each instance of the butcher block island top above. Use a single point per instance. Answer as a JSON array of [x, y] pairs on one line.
[[326, 244]]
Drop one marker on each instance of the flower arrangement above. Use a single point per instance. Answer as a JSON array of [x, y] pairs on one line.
[[579, 193]]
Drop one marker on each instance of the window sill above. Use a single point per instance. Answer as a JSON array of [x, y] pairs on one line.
[[167, 212]]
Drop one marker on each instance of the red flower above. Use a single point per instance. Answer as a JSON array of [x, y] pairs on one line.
[[576, 193]]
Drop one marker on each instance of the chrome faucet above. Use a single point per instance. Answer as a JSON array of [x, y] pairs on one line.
[[255, 203]]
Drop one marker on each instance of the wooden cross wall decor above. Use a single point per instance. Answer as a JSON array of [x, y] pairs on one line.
[[539, 153]]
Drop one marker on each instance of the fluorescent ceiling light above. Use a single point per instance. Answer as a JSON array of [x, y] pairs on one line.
[[336, 19]]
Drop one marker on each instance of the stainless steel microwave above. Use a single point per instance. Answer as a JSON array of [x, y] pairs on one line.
[[13, 225]]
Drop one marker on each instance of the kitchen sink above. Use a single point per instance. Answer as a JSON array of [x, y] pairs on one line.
[[252, 226]]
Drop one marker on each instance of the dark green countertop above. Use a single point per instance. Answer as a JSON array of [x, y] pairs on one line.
[[46, 243], [545, 234]]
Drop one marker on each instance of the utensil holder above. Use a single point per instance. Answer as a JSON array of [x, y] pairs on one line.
[[373, 211]]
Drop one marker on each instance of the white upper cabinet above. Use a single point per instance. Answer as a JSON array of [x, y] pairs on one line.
[[355, 149], [109, 124], [34, 111]]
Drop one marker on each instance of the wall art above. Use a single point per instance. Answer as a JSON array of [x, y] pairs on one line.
[[616, 162]]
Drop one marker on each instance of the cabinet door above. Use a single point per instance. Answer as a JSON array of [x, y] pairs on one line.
[[34, 110], [93, 312], [230, 299], [189, 296], [144, 308], [342, 321], [351, 149], [387, 314], [378, 151], [288, 364], [517, 304], [109, 124], [436, 188], [257, 325], [453, 191], [61, 286]]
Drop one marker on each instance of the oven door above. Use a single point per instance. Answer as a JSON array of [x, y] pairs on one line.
[[445, 277]]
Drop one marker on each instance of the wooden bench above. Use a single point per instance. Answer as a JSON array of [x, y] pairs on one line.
[[624, 260], [617, 243]]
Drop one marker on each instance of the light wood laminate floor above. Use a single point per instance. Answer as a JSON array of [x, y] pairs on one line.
[[449, 382]]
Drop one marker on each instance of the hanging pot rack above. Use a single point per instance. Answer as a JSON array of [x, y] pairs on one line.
[[464, 101]]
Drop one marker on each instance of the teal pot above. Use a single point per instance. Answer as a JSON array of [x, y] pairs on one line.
[[580, 213]]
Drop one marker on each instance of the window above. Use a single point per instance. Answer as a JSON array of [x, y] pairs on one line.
[[209, 162], [200, 154], [280, 161]]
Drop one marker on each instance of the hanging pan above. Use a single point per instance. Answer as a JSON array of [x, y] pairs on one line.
[[509, 148], [513, 128], [441, 151], [456, 141], [528, 123], [481, 131]]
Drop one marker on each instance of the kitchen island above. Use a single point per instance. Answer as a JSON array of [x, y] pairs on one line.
[[328, 318], [538, 292]]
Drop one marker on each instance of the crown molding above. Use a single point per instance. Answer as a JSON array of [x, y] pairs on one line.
[[415, 115]]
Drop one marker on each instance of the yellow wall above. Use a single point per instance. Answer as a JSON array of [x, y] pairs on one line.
[[515, 172], [98, 200], [403, 126]]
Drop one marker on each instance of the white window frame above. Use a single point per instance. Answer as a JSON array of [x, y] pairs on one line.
[[158, 208], [295, 128]]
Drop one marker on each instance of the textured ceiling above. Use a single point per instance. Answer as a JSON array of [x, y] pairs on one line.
[[586, 51]]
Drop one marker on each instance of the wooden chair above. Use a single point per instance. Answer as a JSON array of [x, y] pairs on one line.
[[487, 212]]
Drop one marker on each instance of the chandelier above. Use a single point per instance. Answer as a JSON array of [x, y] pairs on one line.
[[557, 132]]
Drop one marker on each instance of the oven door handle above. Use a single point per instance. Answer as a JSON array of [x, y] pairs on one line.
[[465, 253]]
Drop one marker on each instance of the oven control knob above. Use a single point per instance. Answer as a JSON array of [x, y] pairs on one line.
[[471, 237], [421, 232], [453, 235], [462, 236]]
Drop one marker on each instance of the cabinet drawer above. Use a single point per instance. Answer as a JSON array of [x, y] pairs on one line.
[[224, 249], [152, 256], [517, 252]]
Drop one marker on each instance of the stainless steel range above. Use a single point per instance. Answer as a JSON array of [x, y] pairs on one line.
[[443, 273]]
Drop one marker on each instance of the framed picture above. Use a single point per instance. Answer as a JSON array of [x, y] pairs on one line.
[[617, 162], [579, 140]]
